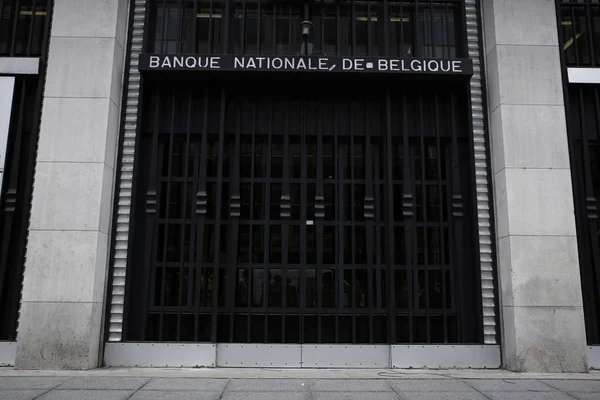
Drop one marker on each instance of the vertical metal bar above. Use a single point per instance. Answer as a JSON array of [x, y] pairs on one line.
[[448, 31], [575, 39], [184, 213], [389, 205], [275, 28], [259, 27], [243, 27], [234, 223], [442, 264], [303, 191], [408, 214], [457, 213], [14, 28], [210, 26], [353, 227], [319, 206], [416, 38], [151, 206], [285, 214], [369, 44], [425, 219], [322, 23], [266, 231], [165, 243], [31, 26], [226, 16], [353, 24], [164, 27], [338, 30], [195, 28], [386, 28], [180, 34], [251, 230], [401, 26], [369, 214], [217, 247], [339, 211], [200, 216], [591, 35]]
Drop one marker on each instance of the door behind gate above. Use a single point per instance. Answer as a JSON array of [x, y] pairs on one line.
[[305, 213]]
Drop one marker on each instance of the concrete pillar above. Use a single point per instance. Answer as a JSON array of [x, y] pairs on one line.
[[67, 254], [541, 301]]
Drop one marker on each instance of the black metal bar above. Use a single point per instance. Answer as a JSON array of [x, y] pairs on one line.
[[164, 27], [369, 215], [184, 211], [389, 205], [408, 205], [285, 214], [210, 26], [217, 244], [31, 25], [195, 28], [457, 215], [386, 28], [442, 261], [235, 209], [14, 28], [259, 27], [200, 216], [319, 206], [167, 212]]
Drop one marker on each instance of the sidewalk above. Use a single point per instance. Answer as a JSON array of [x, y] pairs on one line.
[[306, 384]]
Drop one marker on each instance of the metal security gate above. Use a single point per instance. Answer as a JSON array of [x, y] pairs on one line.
[[272, 216], [281, 212]]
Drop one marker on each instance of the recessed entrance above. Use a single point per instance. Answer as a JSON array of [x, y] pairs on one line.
[[306, 213]]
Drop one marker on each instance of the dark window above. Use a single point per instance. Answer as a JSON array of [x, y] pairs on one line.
[[24, 27], [414, 28]]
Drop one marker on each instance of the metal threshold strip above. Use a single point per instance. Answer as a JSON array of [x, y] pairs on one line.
[[238, 355]]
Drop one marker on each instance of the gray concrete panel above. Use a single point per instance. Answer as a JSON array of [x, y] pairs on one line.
[[87, 395], [175, 395], [265, 396], [507, 385], [354, 396], [435, 385], [345, 385], [21, 394], [268, 385], [442, 396], [103, 383], [208, 385]]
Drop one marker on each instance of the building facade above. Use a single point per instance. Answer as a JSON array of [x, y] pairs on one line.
[[303, 184]]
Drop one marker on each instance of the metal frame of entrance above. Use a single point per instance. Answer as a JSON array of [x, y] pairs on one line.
[[131, 133]]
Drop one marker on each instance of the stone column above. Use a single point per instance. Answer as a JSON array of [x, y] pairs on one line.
[[541, 302], [67, 254]]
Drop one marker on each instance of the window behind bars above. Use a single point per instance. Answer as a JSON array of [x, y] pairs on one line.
[[341, 28]]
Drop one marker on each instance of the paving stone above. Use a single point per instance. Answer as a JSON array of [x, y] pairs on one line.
[[87, 395], [349, 385], [506, 385], [20, 394], [430, 385], [268, 385], [33, 383], [584, 396], [527, 396], [354, 396], [266, 396], [175, 395], [209, 385], [442, 396], [575, 386], [98, 383]]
